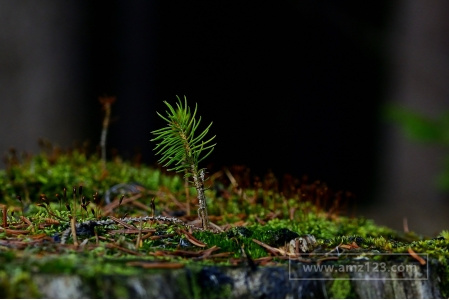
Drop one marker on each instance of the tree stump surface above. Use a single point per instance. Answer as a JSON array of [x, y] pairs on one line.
[[285, 281]]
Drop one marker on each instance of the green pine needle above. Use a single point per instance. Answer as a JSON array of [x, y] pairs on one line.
[[178, 145]]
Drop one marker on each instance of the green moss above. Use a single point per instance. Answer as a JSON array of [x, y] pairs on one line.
[[48, 173], [283, 219], [119, 291], [340, 289], [17, 283], [443, 269]]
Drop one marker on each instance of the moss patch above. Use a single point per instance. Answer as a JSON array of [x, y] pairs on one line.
[[40, 194]]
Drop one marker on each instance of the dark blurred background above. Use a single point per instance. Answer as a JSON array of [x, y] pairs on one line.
[[293, 87]]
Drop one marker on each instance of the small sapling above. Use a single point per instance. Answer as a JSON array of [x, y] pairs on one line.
[[183, 149]]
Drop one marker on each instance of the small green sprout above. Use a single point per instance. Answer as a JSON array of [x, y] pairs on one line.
[[180, 148]]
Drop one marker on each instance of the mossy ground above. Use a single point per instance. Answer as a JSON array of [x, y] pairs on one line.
[[246, 210]]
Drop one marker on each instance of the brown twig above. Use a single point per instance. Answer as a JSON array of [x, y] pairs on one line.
[[114, 246], [126, 225], [158, 237], [192, 239], [132, 231], [139, 236], [26, 220], [73, 228], [413, 254], [405, 225], [107, 210], [14, 231], [5, 217], [155, 265], [270, 249]]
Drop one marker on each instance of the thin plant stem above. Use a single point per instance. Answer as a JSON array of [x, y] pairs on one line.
[[5, 216], [106, 103], [73, 229], [187, 192]]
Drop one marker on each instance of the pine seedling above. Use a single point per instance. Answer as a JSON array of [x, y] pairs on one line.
[[181, 149]]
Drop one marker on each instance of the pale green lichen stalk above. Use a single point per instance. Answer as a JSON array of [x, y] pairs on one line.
[[178, 146]]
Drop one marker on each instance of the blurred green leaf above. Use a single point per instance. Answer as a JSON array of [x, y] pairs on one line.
[[415, 125]]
